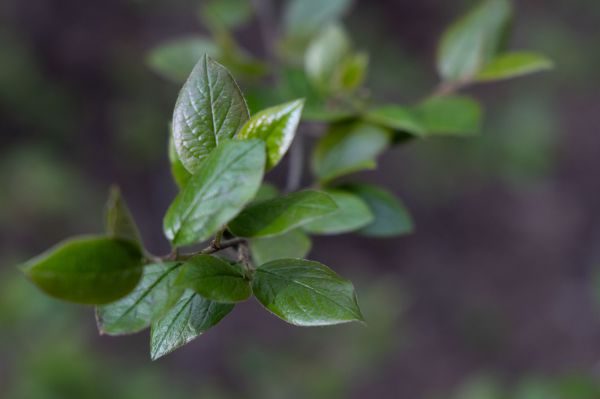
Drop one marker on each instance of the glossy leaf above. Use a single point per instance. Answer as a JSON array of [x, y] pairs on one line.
[[88, 270], [215, 279], [178, 171], [293, 244], [397, 118], [348, 148], [175, 59], [276, 126], [324, 58], [391, 216], [305, 17], [210, 110], [187, 319], [228, 180], [118, 220], [450, 115], [280, 215], [510, 65], [471, 42], [352, 214], [305, 293], [155, 293]]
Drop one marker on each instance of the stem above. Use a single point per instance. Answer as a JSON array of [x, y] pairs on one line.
[[446, 88], [244, 258]]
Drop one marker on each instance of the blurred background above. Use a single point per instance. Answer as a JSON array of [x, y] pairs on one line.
[[495, 295]]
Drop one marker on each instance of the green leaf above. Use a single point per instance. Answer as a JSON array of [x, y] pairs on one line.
[[215, 279], [397, 118], [348, 148], [391, 216], [352, 214], [471, 42], [155, 293], [324, 58], [276, 126], [227, 13], [266, 191], [88, 270], [510, 65], [209, 110], [175, 59], [229, 178], [179, 172], [450, 115], [118, 220], [280, 215], [293, 244], [305, 17], [190, 317], [305, 293], [354, 71]]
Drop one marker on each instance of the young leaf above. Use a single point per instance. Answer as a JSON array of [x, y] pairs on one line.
[[118, 220], [352, 214], [215, 279], [293, 244], [471, 42], [324, 57], [190, 317], [280, 215], [348, 148], [305, 17], [209, 110], [391, 216], [229, 178], [155, 293], [305, 293], [450, 115], [179, 172], [276, 126], [87, 270], [354, 71], [510, 65], [397, 118], [175, 59]]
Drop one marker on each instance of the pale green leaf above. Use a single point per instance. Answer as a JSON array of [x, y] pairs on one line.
[[305, 293], [450, 115], [354, 71], [210, 110], [155, 293], [293, 244], [228, 180], [510, 65], [88, 270], [280, 215], [266, 191], [305, 17], [276, 126], [324, 58], [190, 317], [215, 279], [352, 214], [227, 13], [397, 118]]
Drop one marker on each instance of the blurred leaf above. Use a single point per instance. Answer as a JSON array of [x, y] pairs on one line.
[[280, 215], [352, 214], [354, 71], [293, 244], [391, 216], [228, 14], [118, 219], [176, 58], [397, 118], [472, 41], [190, 317], [276, 126], [449, 115], [152, 297], [510, 65], [215, 279], [228, 179], [178, 171], [305, 293], [210, 109], [306, 17], [324, 58], [265, 192], [87, 270], [348, 148]]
